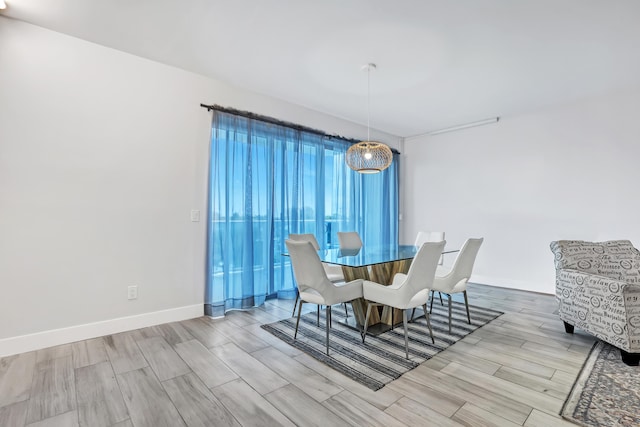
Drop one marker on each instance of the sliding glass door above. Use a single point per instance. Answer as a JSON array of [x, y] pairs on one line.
[[267, 181]]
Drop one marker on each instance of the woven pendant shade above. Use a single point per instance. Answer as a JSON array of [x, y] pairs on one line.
[[369, 157]]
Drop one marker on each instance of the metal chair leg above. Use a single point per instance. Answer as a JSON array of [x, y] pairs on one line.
[[293, 313], [298, 321], [346, 312], [433, 295], [393, 311], [426, 316], [412, 313], [440, 293], [406, 332], [449, 295], [318, 318], [366, 322], [466, 303], [328, 320]]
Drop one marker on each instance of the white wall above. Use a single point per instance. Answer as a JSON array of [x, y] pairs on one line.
[[568, 172], [102, 157]]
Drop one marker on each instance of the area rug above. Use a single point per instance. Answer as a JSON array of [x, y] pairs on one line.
[[381, 358], [606, 393]]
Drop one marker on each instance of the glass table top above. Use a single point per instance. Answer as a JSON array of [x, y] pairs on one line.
[[369, 255]]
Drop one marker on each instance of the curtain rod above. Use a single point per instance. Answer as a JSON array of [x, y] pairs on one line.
[[275, 121]]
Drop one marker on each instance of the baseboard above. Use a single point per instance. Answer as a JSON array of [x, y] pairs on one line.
[[514, 284], [30, 342]]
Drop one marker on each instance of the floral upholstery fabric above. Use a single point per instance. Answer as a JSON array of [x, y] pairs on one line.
[[598, 289]]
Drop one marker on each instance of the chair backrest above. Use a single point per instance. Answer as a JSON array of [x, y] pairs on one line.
[[463, 265], [349, 240], [616, 259], [306, 238], [428, 236], [307, 267], [423, 270]]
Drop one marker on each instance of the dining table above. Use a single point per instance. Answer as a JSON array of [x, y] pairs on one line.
[[378, 264]]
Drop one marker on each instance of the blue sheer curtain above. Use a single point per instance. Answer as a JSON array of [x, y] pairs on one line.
[[267, 181]]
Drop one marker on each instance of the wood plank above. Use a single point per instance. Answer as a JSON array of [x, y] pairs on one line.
[[301, 408], [196, 404], [313, 384], [16, 373], [49, 353], [535, 383], [502, 359], [100, 401], [248, 406], [250, 369], [124, 353], [445, 404], [505, 388], [482, 397], [411, 413], [542, 419], [53, 389], [241, 337], [88, 352], [208, 367], [532, 356], [474, 362], [147, 402], [358, 412], [204, 333], [163, 359], [473, 416], [68, 419], [14, 414]]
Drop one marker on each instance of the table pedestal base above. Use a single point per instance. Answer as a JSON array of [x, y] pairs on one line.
[[379, 273]]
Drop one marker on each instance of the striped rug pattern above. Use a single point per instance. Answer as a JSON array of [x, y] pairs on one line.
[[380, 359]]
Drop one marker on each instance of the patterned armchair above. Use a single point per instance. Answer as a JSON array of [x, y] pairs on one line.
[[598, 290]]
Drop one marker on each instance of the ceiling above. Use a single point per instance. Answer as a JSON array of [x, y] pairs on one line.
[[440, 62]]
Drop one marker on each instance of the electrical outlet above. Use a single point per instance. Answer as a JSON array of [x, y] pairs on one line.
[[195, 215], [132, 292]]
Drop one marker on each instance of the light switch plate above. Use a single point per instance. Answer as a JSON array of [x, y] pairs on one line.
[[195, 215]]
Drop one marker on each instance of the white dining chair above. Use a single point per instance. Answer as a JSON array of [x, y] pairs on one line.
[[406, 291], [430, 236], [455, 280], [349, 240], [334, 272], [314, 285]]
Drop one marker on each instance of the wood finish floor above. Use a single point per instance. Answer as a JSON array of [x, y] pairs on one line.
[[515, 371]]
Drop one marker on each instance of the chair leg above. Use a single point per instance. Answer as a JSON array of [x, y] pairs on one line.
[[393, 311], [406, 332], [412, 313], [327, 322], [346, 312], [426, 316], [295, 303], [466, 303], [433, 295], [318, 317], [298, 321], [440, 293], [449, 295], [366, 322]]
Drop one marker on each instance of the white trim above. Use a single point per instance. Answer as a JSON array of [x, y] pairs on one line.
[[513, 284], [38, 340]]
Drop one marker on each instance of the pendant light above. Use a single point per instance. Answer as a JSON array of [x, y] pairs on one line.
[[369, 156]]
